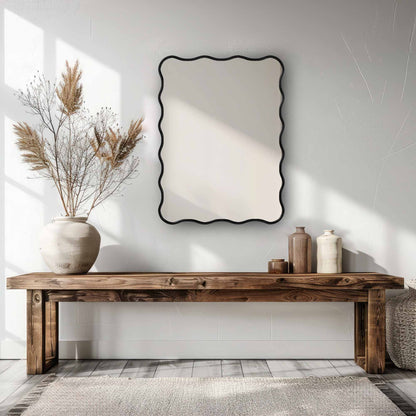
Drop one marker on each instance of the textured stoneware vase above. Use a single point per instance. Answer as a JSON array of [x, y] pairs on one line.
[[329, 252], [300, 252], [401, 328], [278, 266], [69, 245]]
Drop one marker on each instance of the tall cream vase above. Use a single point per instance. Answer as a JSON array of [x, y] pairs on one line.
[[69, 245], [329, 252]]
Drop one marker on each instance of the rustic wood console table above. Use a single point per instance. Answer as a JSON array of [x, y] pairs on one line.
[[46, 290]]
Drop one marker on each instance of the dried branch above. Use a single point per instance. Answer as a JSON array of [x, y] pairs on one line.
[[88, 158]]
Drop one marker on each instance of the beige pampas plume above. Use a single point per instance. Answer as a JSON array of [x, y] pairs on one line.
[[69, 90], [31, 146]]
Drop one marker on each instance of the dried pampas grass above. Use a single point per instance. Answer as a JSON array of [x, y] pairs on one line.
[[88, 158]]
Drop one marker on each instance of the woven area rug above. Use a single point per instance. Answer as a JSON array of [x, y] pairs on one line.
[[105, 396]]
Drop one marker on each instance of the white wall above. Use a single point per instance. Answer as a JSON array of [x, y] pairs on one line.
[[350, 114]]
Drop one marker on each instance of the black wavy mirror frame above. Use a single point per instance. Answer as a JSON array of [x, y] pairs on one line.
[[221, 128]]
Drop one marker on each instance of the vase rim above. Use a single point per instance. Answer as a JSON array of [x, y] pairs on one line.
[[329, 231], [76, 218]]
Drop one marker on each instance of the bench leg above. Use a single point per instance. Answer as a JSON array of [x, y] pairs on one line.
[[42, 333], [376, 332], [360, 335], [370, 332], [51, 334]]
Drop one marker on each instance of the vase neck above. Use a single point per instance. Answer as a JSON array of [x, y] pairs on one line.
[[300, 229], [328, 232]]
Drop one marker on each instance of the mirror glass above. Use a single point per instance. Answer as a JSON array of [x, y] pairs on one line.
[[221, 127]]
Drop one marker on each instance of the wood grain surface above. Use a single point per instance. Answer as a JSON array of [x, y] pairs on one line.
[[35, 332], [376, 331], [281, 295], [204, 281]]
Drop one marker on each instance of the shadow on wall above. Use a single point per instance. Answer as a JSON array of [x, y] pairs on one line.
[[119, 258], [353, 261]]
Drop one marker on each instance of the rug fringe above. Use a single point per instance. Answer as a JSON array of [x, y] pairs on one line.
[[33, 396], [401, 400]]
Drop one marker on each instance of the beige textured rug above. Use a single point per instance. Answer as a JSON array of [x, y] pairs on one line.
[[105, 396]]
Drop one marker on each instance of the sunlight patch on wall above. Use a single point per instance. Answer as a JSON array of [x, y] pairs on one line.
[[102, 85], [24, 203], [23, 50], [202, 259], [14, 308], [108, 219], [150, 148]]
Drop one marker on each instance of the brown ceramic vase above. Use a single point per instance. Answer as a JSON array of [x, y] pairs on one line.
[[278, 266], [300, 252]]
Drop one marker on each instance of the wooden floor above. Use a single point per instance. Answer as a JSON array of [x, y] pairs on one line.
[[14, 383]]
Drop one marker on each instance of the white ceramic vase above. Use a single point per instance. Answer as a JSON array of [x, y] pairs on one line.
[[329, 252], [69, 245]]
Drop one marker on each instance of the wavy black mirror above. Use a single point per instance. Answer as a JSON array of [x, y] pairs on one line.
[[221, 130]]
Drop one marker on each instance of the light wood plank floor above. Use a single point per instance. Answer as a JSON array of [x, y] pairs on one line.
[[15, 383]]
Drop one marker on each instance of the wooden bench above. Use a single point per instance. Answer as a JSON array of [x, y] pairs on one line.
[[46, 290]]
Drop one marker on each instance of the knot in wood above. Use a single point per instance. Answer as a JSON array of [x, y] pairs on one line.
[[347, 280], [36, 298]]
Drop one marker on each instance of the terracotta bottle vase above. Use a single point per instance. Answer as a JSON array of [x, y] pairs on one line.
[[329, 252], [300, 252]]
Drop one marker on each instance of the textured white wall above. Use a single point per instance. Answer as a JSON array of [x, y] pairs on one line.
[[350, 90]]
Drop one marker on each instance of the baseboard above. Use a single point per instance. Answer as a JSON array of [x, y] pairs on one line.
[[208, 349], [281, 349]]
